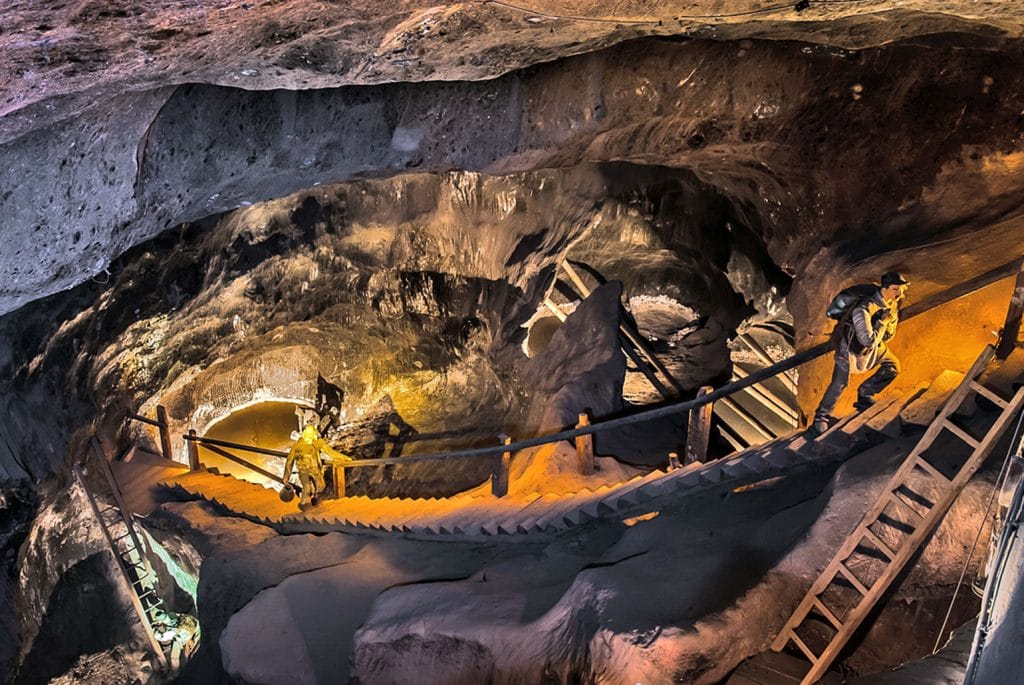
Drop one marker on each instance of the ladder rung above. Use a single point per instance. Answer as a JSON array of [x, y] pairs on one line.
[[931, 470], [824, 611], [960, 433], [988, 394], [877, 542], [899, 500], [803, 647], [147, 594], [135, 564], [848, 574]]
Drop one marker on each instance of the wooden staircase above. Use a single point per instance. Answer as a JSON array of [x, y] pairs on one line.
[[476, 515], [118, 527], [894, 528]]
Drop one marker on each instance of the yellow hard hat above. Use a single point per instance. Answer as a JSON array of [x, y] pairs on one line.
[[309, 433]]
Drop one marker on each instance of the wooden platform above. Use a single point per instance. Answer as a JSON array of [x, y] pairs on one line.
[[138, 475]]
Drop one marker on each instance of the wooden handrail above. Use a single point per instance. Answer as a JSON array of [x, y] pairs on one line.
[[941, 298], [144, 419]]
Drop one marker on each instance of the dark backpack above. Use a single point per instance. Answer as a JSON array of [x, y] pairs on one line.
[[840, 308], [847, 298]]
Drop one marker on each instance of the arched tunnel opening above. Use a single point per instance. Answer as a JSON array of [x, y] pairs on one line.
[[497, 260]]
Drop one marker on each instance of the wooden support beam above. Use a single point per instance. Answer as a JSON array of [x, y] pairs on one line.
[[499, 479], [555, 309], [165, 432], [193, 451], [698, 434], [748, 419], [734, 440], [585, 447], [1011, 329], [766, 358], [766, 397], [339, 479]]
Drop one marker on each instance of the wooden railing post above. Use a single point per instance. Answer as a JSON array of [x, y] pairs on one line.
[[698, 434], [499, 479], [193, 451], [1011, 329], [165, 432], [585, 447], [339, 480]]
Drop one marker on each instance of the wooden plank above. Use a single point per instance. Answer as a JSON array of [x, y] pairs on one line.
[[1011, 328], [165, 432], [960, 433], [783, 664], [698, 434], [584, 447], [193, 451], [499, 479], [802, 646], [748, 419], [988, 394], [820, 607], [930, 470], [879, 544], [777, 405], [766, 358]]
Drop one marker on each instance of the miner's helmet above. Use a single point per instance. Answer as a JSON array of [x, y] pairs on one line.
[[309, 433]]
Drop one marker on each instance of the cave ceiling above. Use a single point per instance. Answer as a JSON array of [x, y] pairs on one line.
[[120, 120]]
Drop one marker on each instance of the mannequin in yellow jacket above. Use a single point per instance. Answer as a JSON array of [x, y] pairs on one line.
[[305, 455]]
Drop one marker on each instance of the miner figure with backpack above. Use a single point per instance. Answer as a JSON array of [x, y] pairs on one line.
[[867, 316]]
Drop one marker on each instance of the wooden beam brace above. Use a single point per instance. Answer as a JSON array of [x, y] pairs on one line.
[[698, 434], [585, 447], [1011, 328], [499, 479]]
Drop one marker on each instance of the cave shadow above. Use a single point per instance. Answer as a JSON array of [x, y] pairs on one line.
[[84, 616]]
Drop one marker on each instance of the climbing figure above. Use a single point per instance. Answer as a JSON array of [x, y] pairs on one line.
[[867, 315], [305, 455]]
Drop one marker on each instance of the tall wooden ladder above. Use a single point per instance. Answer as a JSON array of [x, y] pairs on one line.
[[908, 510], [119, 531]]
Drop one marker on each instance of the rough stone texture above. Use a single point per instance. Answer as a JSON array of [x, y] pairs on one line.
[[582, 368], [921, 411], [828, 146], [761, 140]]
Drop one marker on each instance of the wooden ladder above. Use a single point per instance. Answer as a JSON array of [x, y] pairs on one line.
[[129, 557], [908, 510]]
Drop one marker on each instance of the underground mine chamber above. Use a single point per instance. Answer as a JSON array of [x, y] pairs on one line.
[[430, 266]]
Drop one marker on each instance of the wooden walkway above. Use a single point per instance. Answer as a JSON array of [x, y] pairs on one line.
[[476, 515]]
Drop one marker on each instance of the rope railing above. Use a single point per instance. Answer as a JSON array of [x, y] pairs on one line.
[[943, 297]]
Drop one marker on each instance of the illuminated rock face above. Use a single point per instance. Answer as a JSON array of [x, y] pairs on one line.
[[788, 136], [383, 197]]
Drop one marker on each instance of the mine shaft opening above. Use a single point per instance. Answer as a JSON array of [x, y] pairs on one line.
[[268, 424]]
